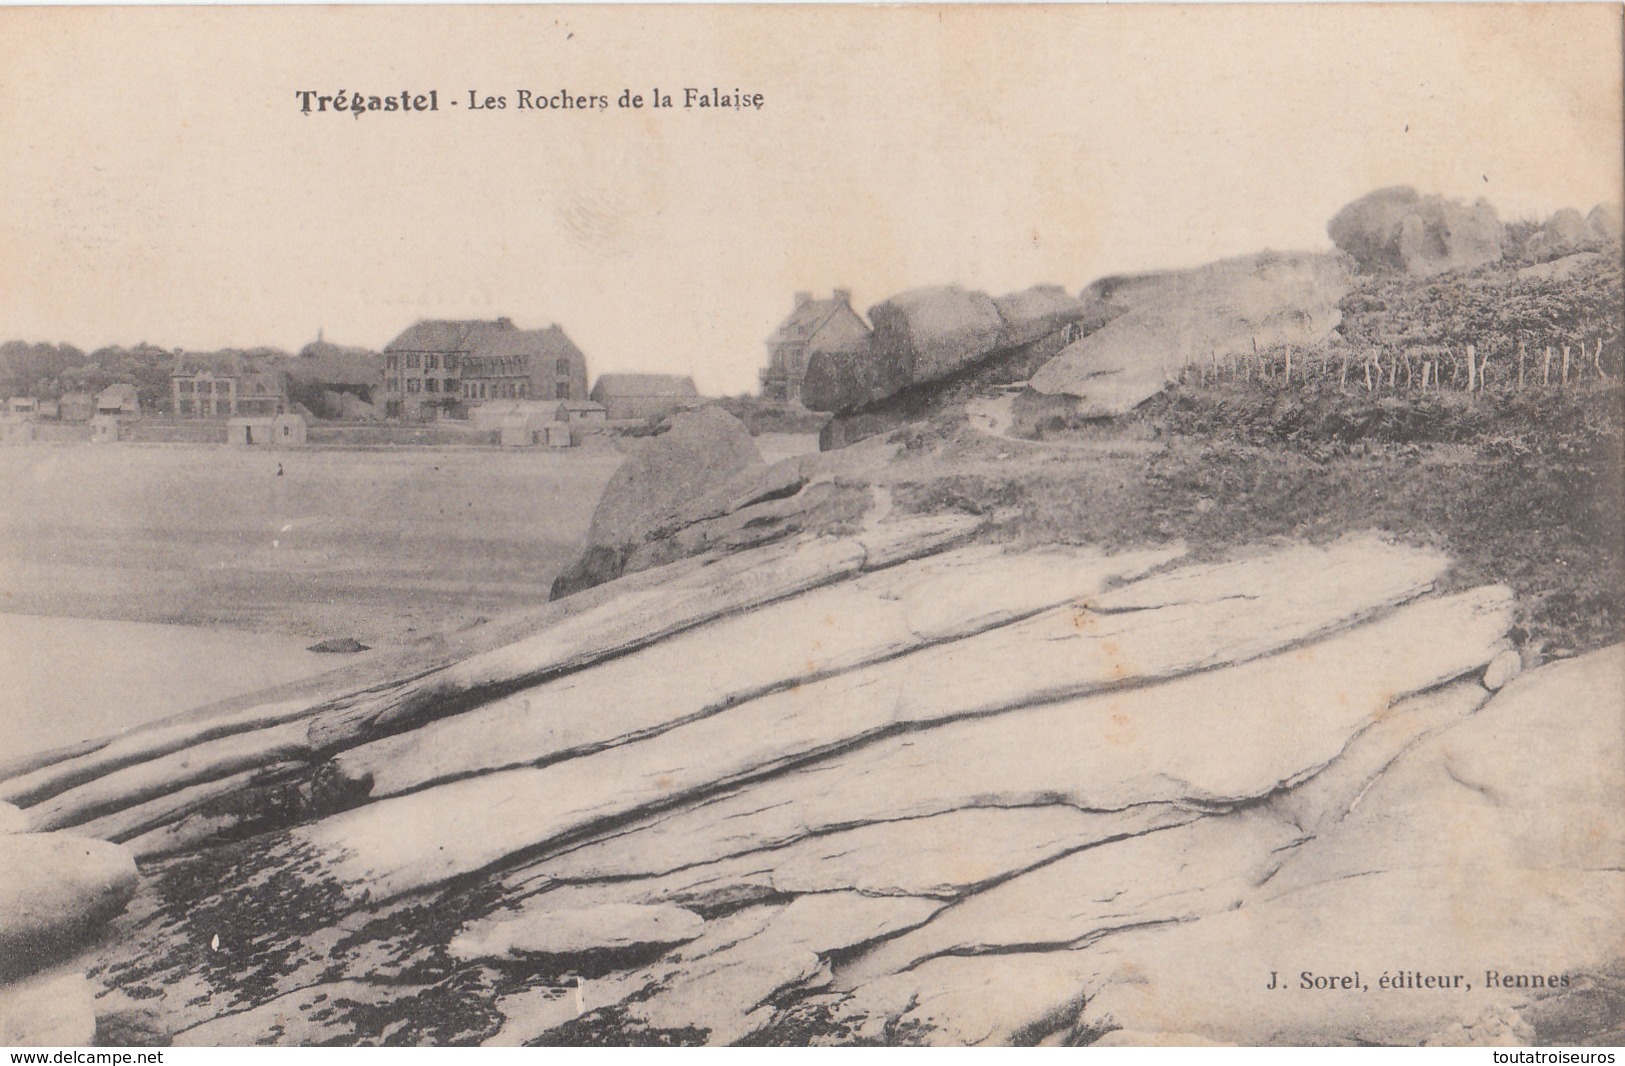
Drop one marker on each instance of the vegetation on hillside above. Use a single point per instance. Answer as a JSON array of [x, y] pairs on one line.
[[47, 371], [1522, 483]]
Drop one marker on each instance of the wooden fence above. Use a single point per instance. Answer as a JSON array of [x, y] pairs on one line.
[[1416, 369]]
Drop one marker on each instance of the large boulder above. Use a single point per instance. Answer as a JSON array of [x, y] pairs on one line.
[[1036, 312], [1025, 313], [1565, 233], [702, 449], [1606, 223], [925, 335], [1399, 229], [918, 335], [1225, 309], [1564, 269], [56, 890]]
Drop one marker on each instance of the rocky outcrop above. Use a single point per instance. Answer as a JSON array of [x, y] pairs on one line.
[[1563, 269], [1399, 229], [700, 450], [56, 891], [1473, 821], [733, 584], [1565, 233], [1607, 223], [890, 788], [956, 391], [1228, 309], [793, 642], [750, 507], [925, 335]]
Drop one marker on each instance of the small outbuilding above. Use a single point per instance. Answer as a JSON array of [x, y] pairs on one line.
[[495, 415], [104, 429], [119, 401], [287, 430], [290, 429], [250, 430], [14, 430], [646, 396], [523, 428]]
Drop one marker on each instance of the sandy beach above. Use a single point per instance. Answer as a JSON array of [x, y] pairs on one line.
[[382, 546]]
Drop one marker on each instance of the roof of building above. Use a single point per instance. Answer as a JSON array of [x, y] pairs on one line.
[[219, 364], [581, 405], [482, 339], [550, 342], [438, 335], [810, 316], [618, 385], [118, 393]]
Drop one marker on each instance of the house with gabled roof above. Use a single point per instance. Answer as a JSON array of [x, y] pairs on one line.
[[122, 400], [813, 326], [226, 385]]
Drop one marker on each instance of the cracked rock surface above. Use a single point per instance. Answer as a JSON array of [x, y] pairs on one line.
[[887, 787]]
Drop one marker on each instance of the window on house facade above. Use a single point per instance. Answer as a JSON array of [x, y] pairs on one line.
[[414, 385], [561, 391], [414, 360], [451, 360], [562, 368], [432, 361], [523, 389], [392, 362], [392, 385], [431, 385]]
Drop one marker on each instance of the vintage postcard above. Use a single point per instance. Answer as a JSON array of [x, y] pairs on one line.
[[812, 525]]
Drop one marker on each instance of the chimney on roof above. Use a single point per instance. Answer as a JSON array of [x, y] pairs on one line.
[[505, 322], [803, 299], [843, 296]]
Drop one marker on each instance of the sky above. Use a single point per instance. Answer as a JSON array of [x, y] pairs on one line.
[[158, 181]]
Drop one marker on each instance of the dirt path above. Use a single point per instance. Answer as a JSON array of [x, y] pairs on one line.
[[992, 415]]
